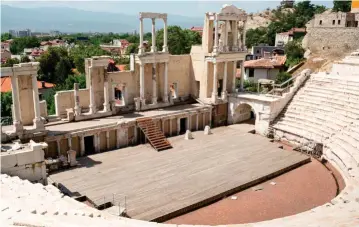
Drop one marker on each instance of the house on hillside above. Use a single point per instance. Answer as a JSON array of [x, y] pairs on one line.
[[281, 39], [197, 29], [117, 46], [264, 68]]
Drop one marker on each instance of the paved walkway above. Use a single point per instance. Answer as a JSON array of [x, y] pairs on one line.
[[163, 183]]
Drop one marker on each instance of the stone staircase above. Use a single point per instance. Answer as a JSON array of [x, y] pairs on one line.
[[153, 134]]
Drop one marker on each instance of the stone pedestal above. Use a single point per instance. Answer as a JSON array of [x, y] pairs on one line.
[[71, 157], [207, 130], [188, 135]]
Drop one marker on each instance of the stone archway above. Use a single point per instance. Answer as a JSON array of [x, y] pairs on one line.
[[244, 113]]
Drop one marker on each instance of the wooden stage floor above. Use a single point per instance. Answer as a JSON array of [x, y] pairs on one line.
[[160, 185]]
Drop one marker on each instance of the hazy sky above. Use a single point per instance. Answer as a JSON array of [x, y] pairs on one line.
[[184, 8]]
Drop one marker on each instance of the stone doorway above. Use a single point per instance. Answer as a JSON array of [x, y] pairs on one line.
[[89, 145], [183, 125]]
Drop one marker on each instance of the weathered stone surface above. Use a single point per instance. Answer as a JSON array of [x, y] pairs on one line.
[[188, 135], [207, 130]]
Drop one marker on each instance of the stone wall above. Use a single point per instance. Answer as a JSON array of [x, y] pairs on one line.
[[27, 163], [65, 100], [332, 40]]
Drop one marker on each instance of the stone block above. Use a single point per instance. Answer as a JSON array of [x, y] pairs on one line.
[[188, 135], [72, 157], [207, 130], [25, 157], [8, 161], [39, 155]]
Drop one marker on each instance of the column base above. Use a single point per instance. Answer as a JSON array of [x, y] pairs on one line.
[[38, 124], [153, 49], [77, 110], [154, 100], [92, 109], [106, 107], [224, 96], [214, 97], [165, 99], [165, 49], [18, 126], [141, 50], [143, 102]]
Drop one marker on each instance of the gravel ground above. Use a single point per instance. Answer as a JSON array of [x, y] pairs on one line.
[[299, 190]]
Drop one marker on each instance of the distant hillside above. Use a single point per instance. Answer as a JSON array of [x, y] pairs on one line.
[[74, 20]]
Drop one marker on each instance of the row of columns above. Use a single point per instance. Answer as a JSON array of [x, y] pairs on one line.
[[154, 83], [225, 76], [141, 48], [96, 141], [38, 124], [92, 106]]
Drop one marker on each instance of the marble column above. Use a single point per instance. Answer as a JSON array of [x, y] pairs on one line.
[[225, 36], [92, 95], [244, 36], [215, 47], [154, 84], [242, 75], [189, 123], [224, 86], [106, 95], [118, 139], [197, 118], [58, 143], [178, 126], [165, 47], [170, 126], [35, 93], [153, 47], [210, 117], [235, 35], [204, 119], [165, 84], [142, 83], [98, 136], [77, 108], [141, 48], [82, 144], [124, 95], [69, 143], [16, 104], [108, 140], [95, 142], [234, 76], [163, 125], [214, 89]]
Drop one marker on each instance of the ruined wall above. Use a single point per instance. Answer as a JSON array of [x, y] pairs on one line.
[[179, 72], [27, 164], [65, 100], [332, 40], [97, 84], [127, 78]]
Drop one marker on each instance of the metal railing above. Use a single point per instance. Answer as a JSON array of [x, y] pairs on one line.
[[283, 87], [114, 199]]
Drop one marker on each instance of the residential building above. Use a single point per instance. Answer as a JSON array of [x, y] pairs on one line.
[[281, 39], [197, 29], [264, 68]]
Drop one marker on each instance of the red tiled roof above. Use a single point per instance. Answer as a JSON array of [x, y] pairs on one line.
[[36, 53], [266, 63], [294, 30], [6, 84], [124, 42], [121, 67], [197, 28]]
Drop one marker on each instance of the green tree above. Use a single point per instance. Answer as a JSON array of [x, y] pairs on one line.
[[19, 44], [6, 102], [10, 62], [294, 52], [341, 5], [78, 55], [256, 36], [5, 36], [179, 40], [24, 59], [282, 77], [132, 48], [55, 65]]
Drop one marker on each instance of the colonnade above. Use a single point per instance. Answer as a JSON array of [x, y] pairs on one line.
[[225, 78], [17, 123]]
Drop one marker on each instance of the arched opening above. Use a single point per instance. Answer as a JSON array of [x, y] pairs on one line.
[[244, 113]]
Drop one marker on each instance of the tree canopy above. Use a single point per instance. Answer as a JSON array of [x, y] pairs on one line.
[[283, 21], [294, 52], [5, 36], [179, 41], [341, 5], [19, 44]]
